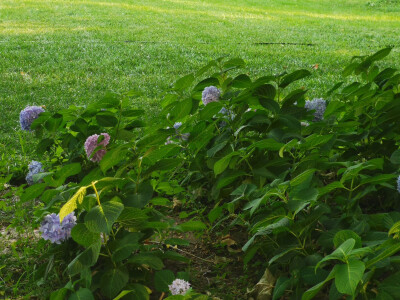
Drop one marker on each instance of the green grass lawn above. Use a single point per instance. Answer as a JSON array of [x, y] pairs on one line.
[[59, 52]]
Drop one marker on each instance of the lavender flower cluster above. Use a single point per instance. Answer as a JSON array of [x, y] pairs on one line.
[[319, 105], [398, 184], [34, 167], [210, 94], [54, 231], [179, 287], [91, 144], [28, 115]]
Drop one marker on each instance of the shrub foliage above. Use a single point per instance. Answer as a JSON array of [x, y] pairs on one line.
[[315, 190]]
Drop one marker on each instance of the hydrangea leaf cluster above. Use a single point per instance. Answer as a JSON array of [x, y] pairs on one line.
[[34, 167], [54, 231], [210, 94], [181, 136], [319, 105], [28, 115], [179, 287], [92, 143]]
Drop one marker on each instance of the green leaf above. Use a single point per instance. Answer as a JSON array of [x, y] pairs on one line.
[[83, 236], [281, 285], [299, 179], [223, 163], [343, 235], [33, 192], [137, 292], [381, 178], [65, 172], [113, 157], [348, 276], [72, 203], [214, 214], [82, 294], [141, 197], [101, 218], [341, 253], [147, 259], [391, 250], [162, 279], [241, 81], [268, 144], [59, 294], [113, 281], [330, 187], [192, 226], [85, 259], [184, 82], [296, 75], [395, 229], [106, 119], [165, 165], [395, 158], [312, 292], [132, 217], [123, 248]]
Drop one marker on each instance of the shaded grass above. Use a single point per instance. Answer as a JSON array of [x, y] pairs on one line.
[[57, 53]]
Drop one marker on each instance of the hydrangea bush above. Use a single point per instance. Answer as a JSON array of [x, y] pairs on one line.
[[318, 202]]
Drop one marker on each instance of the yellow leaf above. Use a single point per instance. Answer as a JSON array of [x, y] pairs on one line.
[[71, 204]]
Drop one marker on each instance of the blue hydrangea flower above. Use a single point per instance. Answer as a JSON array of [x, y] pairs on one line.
[[319, 105], [177, 125], [398, 184], [34, 167], [28, 115], [56, 232], [228, 113], [210, 94]]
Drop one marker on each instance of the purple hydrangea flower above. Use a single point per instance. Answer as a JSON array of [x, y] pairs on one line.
[[34, 167], [179, 287], [210, 94], [319, 105], [91, 144], [28, 115], [56, 232], [398, 184]]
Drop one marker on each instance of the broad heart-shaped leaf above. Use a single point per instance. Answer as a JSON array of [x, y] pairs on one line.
[[340, 253], [72, 203], [162, 279], [113, 281], [85, 259], [312, 292], [83, 236], [147, 259], [123, 248], [113, 157], [33, 192], [82, 294], [101, 218], [348, 276], [296, 75]]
